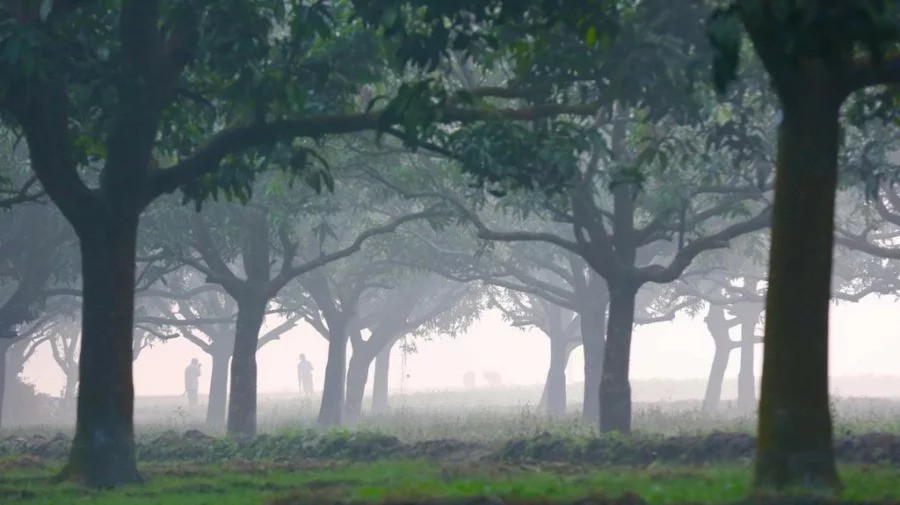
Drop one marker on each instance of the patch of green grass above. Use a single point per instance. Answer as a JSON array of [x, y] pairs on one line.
[[317, 482]]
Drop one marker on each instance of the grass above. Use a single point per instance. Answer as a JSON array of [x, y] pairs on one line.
[[415, 482], [525, 458]]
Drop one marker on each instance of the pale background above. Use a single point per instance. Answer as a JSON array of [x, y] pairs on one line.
[[864, 343]]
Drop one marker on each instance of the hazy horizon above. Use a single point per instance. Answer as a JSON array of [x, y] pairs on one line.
[[862, 344]]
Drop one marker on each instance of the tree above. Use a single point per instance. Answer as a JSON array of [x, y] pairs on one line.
[[414, 304], [192, 84], [815, 54]]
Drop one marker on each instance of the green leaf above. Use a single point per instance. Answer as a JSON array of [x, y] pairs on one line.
[[590, 39]]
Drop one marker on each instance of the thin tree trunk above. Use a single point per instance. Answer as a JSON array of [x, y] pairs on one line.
[[794, 444], [593, 336], [218, 390], [615, 387], [380, 380], [103, 451], [746, 377], [5, 344], [718, 330], [555, 388], [335, 371], [242, 397], [357, 377], [71, 386]]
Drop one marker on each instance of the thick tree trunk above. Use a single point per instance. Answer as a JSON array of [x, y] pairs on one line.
[[218, 390], [380, 380], [718, 329], [357, 377], [242, 397], [794, 445], [615, 388], [103, 451], [335, 371], [593, 335], [749, 318]]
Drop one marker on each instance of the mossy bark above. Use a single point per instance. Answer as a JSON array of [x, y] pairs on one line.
[[615, 388], [103, 450], [794, 446]]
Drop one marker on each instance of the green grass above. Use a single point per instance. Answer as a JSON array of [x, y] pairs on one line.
[[269, 483]]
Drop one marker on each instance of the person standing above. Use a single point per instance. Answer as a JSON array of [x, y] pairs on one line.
[[304, 376], [192, 381]]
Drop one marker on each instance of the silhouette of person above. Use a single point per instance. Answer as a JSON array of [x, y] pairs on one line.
[[192, 381], [304, 376]]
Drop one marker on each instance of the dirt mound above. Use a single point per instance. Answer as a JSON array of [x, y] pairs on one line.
[[444, 449], [193, 445], [56, 447]]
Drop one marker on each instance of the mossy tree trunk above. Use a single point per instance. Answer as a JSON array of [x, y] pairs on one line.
[[615, 387], [103, 450], [794, 445]]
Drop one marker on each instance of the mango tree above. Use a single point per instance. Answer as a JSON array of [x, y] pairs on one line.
[[816, 54]]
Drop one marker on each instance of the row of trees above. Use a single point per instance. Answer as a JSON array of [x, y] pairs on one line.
[[590, 119]]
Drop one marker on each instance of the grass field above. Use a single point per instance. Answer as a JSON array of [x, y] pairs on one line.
[[450, 448]]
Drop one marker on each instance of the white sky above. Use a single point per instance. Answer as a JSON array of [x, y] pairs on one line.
[[864, 342]]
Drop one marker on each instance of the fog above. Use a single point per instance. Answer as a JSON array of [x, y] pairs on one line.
[[864, 347]]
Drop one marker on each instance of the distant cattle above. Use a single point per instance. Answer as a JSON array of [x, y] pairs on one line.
[[493, 379]]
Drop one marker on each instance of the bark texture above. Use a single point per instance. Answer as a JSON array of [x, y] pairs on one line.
[[103, 451], [794, 446], [615, 387]]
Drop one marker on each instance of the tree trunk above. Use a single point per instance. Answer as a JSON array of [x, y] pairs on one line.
[[103, 451], [218, 390], [380, 381], [335, 371], [555, 387], [615, 388], [749, 317], [718, 329], [593, 336], [794, 445], [71, 386], [242, 397], [357, 377], [5, 344]]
